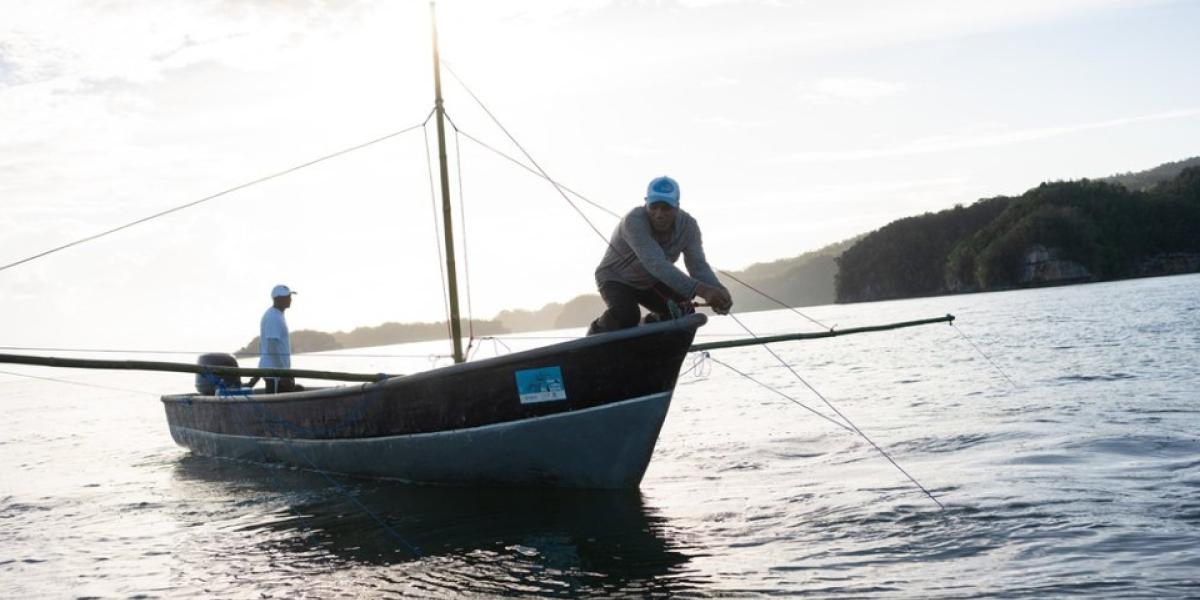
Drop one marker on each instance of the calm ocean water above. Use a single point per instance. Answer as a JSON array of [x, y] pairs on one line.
[[1083, 479]]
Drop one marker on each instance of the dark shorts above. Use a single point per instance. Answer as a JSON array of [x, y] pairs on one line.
[[281, 385], [624, 304]]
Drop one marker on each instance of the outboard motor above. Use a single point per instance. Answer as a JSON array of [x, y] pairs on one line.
[[207, 384]]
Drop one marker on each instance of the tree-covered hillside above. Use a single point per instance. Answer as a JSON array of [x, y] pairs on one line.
[[1142, 181], [1061, 232], [907, 257]]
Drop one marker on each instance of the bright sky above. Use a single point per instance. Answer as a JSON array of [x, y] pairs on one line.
[[789, 125]]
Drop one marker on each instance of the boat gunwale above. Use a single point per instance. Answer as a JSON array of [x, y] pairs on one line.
[[693, 321], [443, 432]]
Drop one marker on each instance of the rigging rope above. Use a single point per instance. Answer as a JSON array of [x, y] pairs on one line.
[[79, 383], [616, 216], [775, 300], [309, 355], [437, 236], [776, 391], [214, 196], [462, 209], [517, 162], [985, 357], [526, 153], [559, 189], [843, 416], [99, 350]]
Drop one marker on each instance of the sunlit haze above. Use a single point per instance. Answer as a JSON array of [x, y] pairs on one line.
[[789, 126]]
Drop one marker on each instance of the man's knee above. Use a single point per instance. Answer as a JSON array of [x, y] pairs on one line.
[[615, 318], [281, 385], [627, 316]]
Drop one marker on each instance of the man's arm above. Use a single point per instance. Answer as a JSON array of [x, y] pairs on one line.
[[697, 264], [637, 234], [709, 287], [274, 347]]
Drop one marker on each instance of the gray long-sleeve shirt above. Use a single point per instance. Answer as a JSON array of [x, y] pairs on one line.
[[636, 258]]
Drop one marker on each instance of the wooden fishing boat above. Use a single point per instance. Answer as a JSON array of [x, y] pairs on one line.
[[583, 414]]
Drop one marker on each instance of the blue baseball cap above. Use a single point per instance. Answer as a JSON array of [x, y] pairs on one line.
[[663, 189], [281, 291]]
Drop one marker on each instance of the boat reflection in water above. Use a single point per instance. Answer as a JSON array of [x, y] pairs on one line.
[[344, 534]]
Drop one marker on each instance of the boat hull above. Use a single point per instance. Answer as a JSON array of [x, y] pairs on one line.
[[576, 449], [581, 414]]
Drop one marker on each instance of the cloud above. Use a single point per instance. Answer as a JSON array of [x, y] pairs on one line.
[[66, 41], [641, 148], [720, 81], [953, 142], [848, 89], [726, 123]]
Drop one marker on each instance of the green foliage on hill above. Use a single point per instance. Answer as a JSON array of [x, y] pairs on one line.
[[1085, 230], [907, 257], [1144, 180]]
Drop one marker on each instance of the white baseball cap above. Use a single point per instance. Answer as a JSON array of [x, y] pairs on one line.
[[280, 291]]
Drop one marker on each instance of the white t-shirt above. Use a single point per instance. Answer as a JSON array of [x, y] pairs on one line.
[[275, 350]]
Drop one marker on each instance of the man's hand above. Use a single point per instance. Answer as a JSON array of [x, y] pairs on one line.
[[717, 298]]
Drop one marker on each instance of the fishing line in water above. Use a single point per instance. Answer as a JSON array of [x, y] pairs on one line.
[[779, 392], [78, 383], [985, 357], [842, 416], [216, 195], [700, 364]]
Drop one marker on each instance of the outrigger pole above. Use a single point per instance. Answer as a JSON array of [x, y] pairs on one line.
[[451, 273], [174, 367], [758, 341], [145, 365]]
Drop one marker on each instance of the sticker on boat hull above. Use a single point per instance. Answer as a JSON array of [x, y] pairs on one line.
[[541, 385]]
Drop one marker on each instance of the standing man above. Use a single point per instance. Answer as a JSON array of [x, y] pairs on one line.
[[275, 348], [639, 267]]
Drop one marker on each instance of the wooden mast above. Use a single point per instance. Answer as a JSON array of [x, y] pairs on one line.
[[451, 273]]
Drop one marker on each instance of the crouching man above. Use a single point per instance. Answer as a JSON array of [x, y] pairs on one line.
[[638, 269]]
